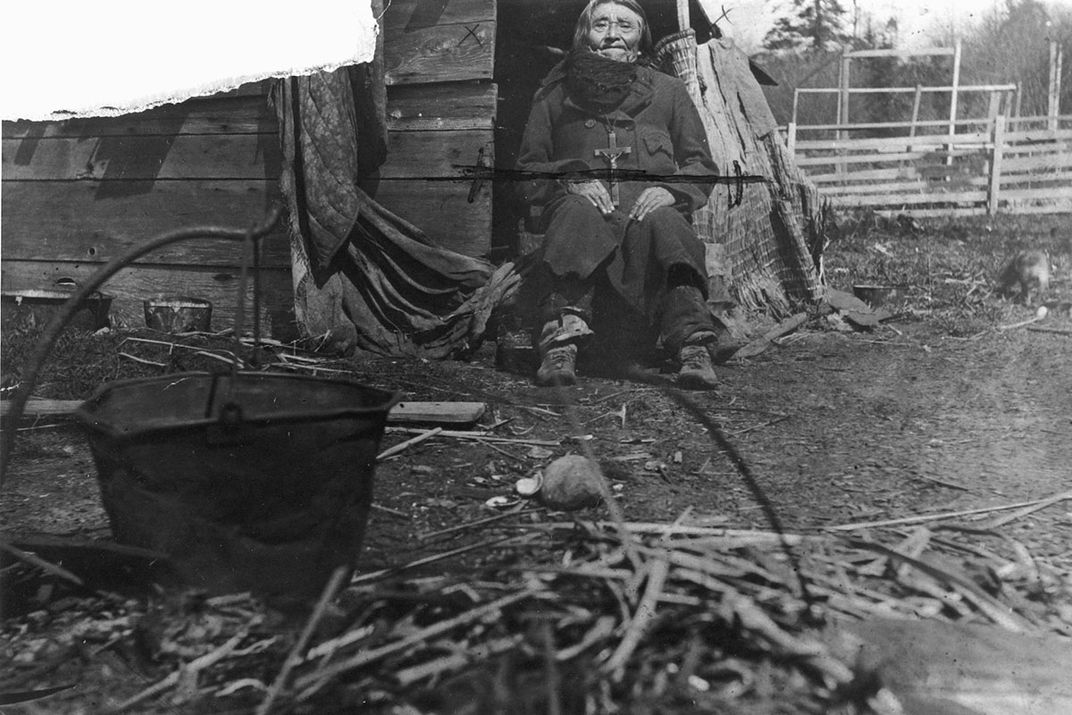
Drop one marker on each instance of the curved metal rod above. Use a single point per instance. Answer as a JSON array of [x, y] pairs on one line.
[[59, 322]]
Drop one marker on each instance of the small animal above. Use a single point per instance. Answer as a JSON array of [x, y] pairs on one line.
[[1028, 271]]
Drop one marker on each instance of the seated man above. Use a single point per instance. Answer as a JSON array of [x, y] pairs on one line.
[[620, 160]]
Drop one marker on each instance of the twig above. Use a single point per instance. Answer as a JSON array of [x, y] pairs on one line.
[[376, 575], [1021, 324], [198, 664], [480, 651], [747, 536], [756, 620], [294, 658], [311, 368], [479, 522], [775, 421], [370, 656], [224, 359], [611, 396], [1055, 331], [1045, 503], [392, 512], [990, 607], [403, 446], [645, 613], [500, 450], [35, 560], [143, 361], [941, 482], [550, 666], [330, 647], [930, 517]]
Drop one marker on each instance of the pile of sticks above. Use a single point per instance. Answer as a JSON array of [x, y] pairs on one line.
[[652, 611], [601, 616]]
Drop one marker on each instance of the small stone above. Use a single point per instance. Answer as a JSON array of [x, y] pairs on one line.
[[570, 483]]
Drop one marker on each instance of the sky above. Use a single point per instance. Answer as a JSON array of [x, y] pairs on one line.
[[113, 56], [110, 56], [750, 19]]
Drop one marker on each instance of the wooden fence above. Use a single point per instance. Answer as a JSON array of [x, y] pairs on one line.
[[978, 166]]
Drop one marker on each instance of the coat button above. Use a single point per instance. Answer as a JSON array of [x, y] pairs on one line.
[[589, 123]]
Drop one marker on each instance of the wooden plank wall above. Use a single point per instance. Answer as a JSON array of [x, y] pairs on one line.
[[439, 59], [78, 193], [1011, 171]]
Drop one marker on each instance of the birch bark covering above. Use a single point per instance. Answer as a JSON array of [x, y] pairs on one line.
[[762, 246]]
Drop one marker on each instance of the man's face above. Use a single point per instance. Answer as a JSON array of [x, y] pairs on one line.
[[615, 32]]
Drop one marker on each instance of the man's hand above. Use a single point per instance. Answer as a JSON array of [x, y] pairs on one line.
[[651, 199], [594, 191]]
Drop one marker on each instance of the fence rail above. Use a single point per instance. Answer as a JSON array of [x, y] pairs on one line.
[[1019, 165]]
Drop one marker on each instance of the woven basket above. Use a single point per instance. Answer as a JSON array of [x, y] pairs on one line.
[[676, 55]]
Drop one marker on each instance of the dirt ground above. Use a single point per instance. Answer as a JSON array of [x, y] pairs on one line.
[[943, 408]]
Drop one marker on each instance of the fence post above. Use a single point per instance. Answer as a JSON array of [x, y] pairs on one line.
[[995, 165], [953, 101], [843, 103], [791, 139], [915, 112], [1054, 95]]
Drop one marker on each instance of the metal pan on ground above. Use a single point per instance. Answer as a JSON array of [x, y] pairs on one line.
[[177, 314]]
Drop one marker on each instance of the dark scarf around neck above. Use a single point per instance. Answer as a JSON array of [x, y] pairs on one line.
[[596, 80]]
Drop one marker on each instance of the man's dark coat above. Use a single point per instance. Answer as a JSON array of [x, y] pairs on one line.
[[639, 260], [657, 119]]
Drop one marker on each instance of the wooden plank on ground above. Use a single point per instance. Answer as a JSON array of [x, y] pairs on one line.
[[446, 106], [436, 412], [181, 156], [229, 115], [131, 286], [98, 221], [408, 412], [41, 407]]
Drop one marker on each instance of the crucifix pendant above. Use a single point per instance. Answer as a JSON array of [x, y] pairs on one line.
[[612, 153]]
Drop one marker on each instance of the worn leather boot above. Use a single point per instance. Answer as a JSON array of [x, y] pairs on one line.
[[697, 370], [558, 366]]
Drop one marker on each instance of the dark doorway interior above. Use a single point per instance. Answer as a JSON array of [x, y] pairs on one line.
[[533, 35]]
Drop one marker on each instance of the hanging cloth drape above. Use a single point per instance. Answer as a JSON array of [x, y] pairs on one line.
[[364, 277]]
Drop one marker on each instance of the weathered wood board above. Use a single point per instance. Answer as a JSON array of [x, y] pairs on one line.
[[94, 221], [410, 412], [142, 157], [439, 41], [210, 115], [446, 106]]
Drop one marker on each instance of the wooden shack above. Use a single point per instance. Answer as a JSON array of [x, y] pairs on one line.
[[459, 77]]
